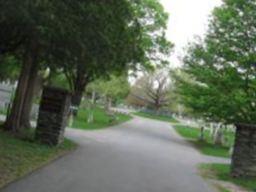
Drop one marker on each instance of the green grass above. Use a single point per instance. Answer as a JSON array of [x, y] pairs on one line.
[[156, 117], [222, 189], [222, 172], [101, 119], [206, 147], [19, 157]]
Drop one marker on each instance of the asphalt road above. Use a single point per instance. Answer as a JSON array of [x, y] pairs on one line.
[[138, 156]]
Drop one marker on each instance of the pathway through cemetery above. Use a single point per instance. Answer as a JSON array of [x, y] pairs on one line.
[[142, 155]]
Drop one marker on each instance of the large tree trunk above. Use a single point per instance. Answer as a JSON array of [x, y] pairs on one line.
[[77, 97], [79, 88], [28, 102], [76, 101], [13, 121], [244, 155]]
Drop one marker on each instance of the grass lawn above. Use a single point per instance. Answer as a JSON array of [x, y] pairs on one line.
[[101, 119], [156, 117], [20, 157], [222, 189], [206, 147], [221, 172]]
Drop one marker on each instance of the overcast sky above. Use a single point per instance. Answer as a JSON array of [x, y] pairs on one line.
[[187, 19]]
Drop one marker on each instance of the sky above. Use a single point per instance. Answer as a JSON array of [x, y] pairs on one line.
[[187, 19]]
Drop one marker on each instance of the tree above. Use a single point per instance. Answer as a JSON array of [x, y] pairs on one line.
[[113, 90], [9, 68], [28, 67], [41, 24], [222, 69], [129, 37], [153, 89], [92, 40], [12, 26]]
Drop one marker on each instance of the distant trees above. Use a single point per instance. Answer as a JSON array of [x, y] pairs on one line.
[[153, 89], [222, 83], [112, 90]]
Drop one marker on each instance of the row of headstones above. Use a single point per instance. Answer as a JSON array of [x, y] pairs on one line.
[[6, 95], [243, 152], [217, 130]]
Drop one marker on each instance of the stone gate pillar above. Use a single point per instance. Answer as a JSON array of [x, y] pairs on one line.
[[244, 155], [53, 115]]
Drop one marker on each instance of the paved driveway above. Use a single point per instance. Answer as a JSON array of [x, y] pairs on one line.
[[141, 155]]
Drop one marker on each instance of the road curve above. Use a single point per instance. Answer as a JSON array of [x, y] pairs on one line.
[[141, 155]]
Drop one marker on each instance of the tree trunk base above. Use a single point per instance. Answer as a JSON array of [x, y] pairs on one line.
[[76, 102], [244, 155]]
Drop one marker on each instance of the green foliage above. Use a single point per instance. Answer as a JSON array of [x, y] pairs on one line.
[[151, 19], [221, 69], [207, 147], [59, 80], [116, 88], [93, 39], [9, 68], [19, 157], [101, 119], [222, 172], [113, 37]]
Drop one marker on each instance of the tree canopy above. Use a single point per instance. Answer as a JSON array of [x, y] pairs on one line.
[[221, 68], [82, 39], [130, 37], [116, 88]]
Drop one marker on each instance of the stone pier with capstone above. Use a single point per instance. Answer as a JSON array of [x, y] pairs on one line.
[[53, 116], [244, 155]]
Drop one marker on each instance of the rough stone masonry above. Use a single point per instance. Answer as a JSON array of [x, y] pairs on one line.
[[53, 115], [244, 156]]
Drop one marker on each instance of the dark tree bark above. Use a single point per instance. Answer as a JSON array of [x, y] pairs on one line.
[[77, 97], [28, 102], [13, 121], [76, 100], [80, 84], [244, 155]]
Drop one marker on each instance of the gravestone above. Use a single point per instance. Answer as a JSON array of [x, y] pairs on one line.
[[53, 115], [5, 97]]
